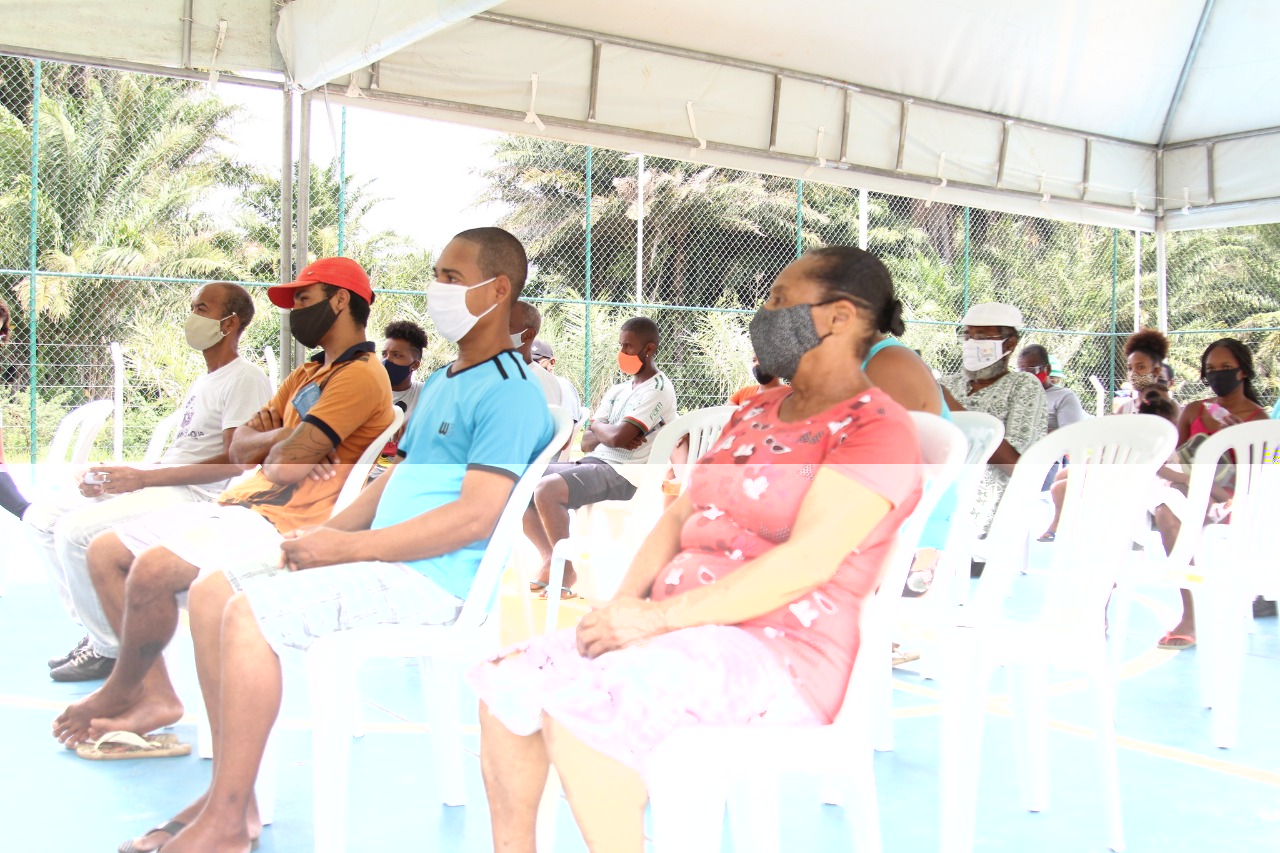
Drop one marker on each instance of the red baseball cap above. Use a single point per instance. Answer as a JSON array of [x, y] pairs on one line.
[[340, 272]]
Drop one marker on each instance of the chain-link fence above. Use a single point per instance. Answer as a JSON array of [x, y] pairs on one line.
[[121, 193]]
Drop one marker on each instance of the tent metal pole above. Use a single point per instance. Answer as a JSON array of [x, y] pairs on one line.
[[188, 12], [302, 242], [342, 187], [966, 259], [286, 225], [864, 217], [586, 308], [1137, 280], [1192, 50], [33, 258], [1115, 288], [799, 217], [1162, 278]]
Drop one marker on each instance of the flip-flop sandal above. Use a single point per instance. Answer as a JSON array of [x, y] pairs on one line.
[[163, 739], [1047, 537], [537, 586], [172, 828], [901, 657], [114, 746], [566, 594], [1165, 641]]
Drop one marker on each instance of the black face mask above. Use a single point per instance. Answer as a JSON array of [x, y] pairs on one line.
[[308, 325], [763, 377], [397, 373], [1223, 382]]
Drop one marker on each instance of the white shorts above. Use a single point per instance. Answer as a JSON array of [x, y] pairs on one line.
[[211, 537], [293, 609]]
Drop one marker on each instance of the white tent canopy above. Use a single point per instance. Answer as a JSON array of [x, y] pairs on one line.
[[1150, 114]]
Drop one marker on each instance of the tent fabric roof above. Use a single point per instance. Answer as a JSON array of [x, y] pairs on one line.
[[1093, 112]]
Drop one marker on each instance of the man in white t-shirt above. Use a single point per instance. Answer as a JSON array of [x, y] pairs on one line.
[[402, 348], [616, 437], [194, 468], [525, 324], [544, 356]]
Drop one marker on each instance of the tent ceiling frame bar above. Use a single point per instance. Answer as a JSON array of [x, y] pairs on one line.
[[1004, 154], [1225, 137], [763, 68], [595, 81], [188, 13], [137, 67], [902, 136], [1087, 171], [846, 126], [773, 117], [1208, 152], [339, 93], [1190, 60]]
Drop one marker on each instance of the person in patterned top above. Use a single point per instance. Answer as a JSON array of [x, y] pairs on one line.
[[742, 605], [989, 335]]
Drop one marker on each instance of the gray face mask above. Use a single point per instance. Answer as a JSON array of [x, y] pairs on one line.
[[782, 336]]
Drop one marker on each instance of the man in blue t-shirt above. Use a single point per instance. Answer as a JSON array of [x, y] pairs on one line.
[[404, 552]]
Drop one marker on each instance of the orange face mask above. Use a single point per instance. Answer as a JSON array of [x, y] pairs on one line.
[[630, 364]]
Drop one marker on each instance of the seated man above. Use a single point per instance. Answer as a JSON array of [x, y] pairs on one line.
[[61, 524], [401, 355], [525, 324], [1062, 405], [329, 409], [545, 356], [617, 437], [765, 381], [989, 333], [406, 551]]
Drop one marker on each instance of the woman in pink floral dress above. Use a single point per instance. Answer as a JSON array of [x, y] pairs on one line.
[[742, 605]]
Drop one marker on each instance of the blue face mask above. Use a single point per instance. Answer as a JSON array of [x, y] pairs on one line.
[[397, 373]]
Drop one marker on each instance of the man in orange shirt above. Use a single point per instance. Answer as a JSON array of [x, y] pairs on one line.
[[767, 383], [303, 442]]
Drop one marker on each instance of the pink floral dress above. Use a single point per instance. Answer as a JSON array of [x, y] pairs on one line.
[[787, 667]]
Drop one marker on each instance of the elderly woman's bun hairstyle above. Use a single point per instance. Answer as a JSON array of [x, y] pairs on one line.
[[849, 272], [1150, 343]]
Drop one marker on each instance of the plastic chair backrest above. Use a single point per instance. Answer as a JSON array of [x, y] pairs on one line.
[[161, 437], [1255, 448], [78, 431], [1113, 464], [359, 473], [703, 426], [479, 603], [943, 448]]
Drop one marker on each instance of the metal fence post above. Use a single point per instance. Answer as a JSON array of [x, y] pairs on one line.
[[302, 242], [1162, 278], [864, 216], [799, 217], [286, 226], [1137, 280], [342, 187], [965, 297], [586, 356], [1115, 283], [33, 254]]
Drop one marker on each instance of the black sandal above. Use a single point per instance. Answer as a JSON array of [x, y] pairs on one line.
[[173, 827]]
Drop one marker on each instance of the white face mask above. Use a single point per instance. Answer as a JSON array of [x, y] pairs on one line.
[[447, 308], [980, 354], [517, 340], [203, 332]]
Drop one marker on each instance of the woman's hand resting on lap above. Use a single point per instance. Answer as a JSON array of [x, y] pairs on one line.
[[622, 622]]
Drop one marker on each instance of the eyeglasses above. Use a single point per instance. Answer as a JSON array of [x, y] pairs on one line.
[[965, 336], [1039, 368]]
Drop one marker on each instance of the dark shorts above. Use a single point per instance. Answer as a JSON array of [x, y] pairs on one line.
[[592, 480]]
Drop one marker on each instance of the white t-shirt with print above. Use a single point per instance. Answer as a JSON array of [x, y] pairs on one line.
[[217, 401], [408, 398], [550, 386], [648, 405]]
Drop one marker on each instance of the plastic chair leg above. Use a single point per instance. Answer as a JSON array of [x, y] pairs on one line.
[[1108, 768], [554, 582], [1231, 631], [441, 677], [264, 789], [753, 814], [548, 814], [863, 809], [688, 804], [1029, 684], [965, 683], [328, 674]]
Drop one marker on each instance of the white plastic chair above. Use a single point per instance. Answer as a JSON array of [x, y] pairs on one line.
[[161, 437], [1220, 563], [333, 661], [359, 474], [1112, 460], [696, 769], [616, 528], [77, 432]]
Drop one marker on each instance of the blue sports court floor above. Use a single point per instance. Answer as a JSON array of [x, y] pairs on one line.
[[1180, 794]]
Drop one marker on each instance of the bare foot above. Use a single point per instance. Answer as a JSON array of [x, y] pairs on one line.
[[147, 715], [73, 725]]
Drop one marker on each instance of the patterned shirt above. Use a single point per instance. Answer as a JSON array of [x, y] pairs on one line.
[[1017, 400]]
